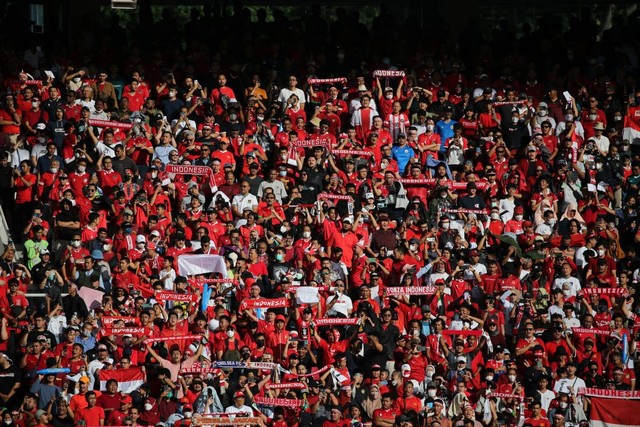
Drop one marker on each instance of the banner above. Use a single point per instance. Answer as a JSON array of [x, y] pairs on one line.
[[342, 80], [54, 371], [107, 321], [198, 371], [410, 290], [388, 73], [309, 143], [452, 185], [188, 170], [335, 197], [615, 394], [193, 265], [604, 291], [501, 103], [249, 304], [294, 288], [110, 124], [231, 421], [139, 330], [222, 364], [465, 332], [174, 296], [615, 410], [352, 153], [176, 338], [468, 211], [335, 321], [316, 373], [287, 385], [269, 401], [590, 331], [128, 379]]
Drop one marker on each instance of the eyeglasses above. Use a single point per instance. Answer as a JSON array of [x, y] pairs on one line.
[[529, 329]]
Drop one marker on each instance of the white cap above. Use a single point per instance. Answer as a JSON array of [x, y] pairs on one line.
[[141, 239]]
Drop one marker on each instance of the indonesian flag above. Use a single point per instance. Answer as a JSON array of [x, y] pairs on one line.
[[631, 129], [613, 408], [128, 379]]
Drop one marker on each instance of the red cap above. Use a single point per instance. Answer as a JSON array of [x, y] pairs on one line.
[[248, 132], [268, 351], [519, 210], [126, 399], [527, 224], [238, 394], [281, 317]]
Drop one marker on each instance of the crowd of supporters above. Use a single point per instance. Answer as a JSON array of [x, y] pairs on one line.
[[413, 245]]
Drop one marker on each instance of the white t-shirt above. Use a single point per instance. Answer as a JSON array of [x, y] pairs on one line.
[[343, 306], [285, 94], [574, 285]]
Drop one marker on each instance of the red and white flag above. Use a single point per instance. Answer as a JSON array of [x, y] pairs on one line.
[[128, 379], [613, 408]]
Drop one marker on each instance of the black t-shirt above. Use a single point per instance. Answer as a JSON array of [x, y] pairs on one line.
[[33, 337], [475, 202], [8, 378]]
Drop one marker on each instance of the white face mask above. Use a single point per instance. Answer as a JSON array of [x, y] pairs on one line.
[[413, 248], [601, 252], [77, 79], [53, 170], [542, 113], [306, 234], [283, 229], [283, 173], [432, 392], [514, 120], [518, 217], [430, 128], [383, 165], [563, 405], [76, 244], [261, 118], [389, 96], [154, 174], [148, 406], [495, 216], [35, 104], [568, 117], [231, 333], [446, 225], [617, 118], [188, 414], [140, 246], [106, 248], [512, 378], [552, 222], [233, 116], [42, 139], [489, 378], [8, 422], [81, 169]]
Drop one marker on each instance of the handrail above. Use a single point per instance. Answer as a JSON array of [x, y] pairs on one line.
[[5, 235]]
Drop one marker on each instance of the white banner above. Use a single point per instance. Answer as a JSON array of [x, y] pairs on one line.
[[191, 265]]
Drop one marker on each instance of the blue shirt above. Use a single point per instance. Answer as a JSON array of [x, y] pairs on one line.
[[88, 344], [445, 130], [402, 155]]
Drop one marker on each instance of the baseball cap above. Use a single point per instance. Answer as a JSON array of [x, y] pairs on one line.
[[281, 317], [141, 239]]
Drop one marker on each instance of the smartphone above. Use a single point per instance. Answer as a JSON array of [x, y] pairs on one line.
[[371, 259], [567, 95]]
